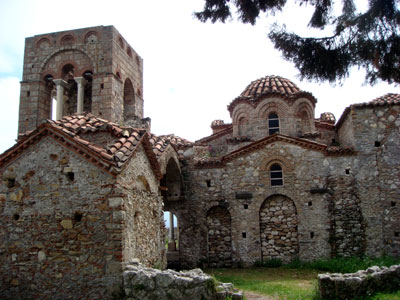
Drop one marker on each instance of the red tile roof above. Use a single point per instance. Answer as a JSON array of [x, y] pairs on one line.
[[222, 132], [388, 99], [272, 86], [161, 142], [112, 157]]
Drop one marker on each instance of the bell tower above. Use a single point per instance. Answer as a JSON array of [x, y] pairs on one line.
[[85, 70]]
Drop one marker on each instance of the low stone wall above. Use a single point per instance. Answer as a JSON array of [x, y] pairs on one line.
[[142, 283], [365, 282]]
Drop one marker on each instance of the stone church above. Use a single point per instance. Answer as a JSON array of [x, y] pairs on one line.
[[83, 191]]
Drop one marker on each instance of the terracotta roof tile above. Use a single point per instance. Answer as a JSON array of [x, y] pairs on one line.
[[114, 155], [388, 99], [274, 86]]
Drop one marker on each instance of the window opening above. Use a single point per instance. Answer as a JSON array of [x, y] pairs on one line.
[[273, 123], [16, 217], [208, 182], [77, 216], [393, 204], [276, 175], [377, 143], [310, 203], [347, 171], [246, 206], [311, 234], [244, 235], [10, 182]]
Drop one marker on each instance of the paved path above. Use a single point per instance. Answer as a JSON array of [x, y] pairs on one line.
[[254, 296]]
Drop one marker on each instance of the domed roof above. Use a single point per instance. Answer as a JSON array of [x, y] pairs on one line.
[[270, 84]]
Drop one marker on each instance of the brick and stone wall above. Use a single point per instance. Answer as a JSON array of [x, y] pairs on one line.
[[95, 49], [67, 227]]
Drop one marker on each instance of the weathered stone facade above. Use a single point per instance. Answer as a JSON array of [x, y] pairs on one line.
[[83, 195]]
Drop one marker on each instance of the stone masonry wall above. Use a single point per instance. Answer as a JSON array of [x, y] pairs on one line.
[[376, 137], [347, 223], [242, 187], [219, 237], [58, 232], [147, 284], [140, 209], [360, 284], [278, 225]]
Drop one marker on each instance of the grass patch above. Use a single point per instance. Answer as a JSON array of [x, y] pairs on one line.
[[386, 296], [298, 280], [344, 265], [280, 283]]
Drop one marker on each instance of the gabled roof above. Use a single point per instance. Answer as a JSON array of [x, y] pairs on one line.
[[161, 142], [220, 162], [385, 100], [223, 132], [112, 158]]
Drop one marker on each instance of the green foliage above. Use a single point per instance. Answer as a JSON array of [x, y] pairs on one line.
[[369, 40], [344, 264], [271, 263]]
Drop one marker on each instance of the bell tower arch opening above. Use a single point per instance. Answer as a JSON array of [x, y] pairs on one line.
[[129, 100]]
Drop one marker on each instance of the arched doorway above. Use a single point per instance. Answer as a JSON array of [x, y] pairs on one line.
[[278, 229], [219, 243]]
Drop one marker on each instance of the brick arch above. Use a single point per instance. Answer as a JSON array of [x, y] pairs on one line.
[[48, 72], [43, 40], [70, 36], [168, 154], [219, 237], [305, 123], [272, 105], [240, 111], [66, 48], [90, 33], [67, 62], [85, 69], [279, 229]]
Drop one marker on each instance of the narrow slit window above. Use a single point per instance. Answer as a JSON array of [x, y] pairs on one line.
[[276, 175], [273, 123]]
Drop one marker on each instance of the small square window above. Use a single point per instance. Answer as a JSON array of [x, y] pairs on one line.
[[309, 203], [244, 235], [397, 234], [377, 143], [245, 206], [347, 171], [393, 204]]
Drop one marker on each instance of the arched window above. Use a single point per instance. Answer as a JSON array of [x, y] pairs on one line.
[[276, 175], [273, 123], [129, 100]]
